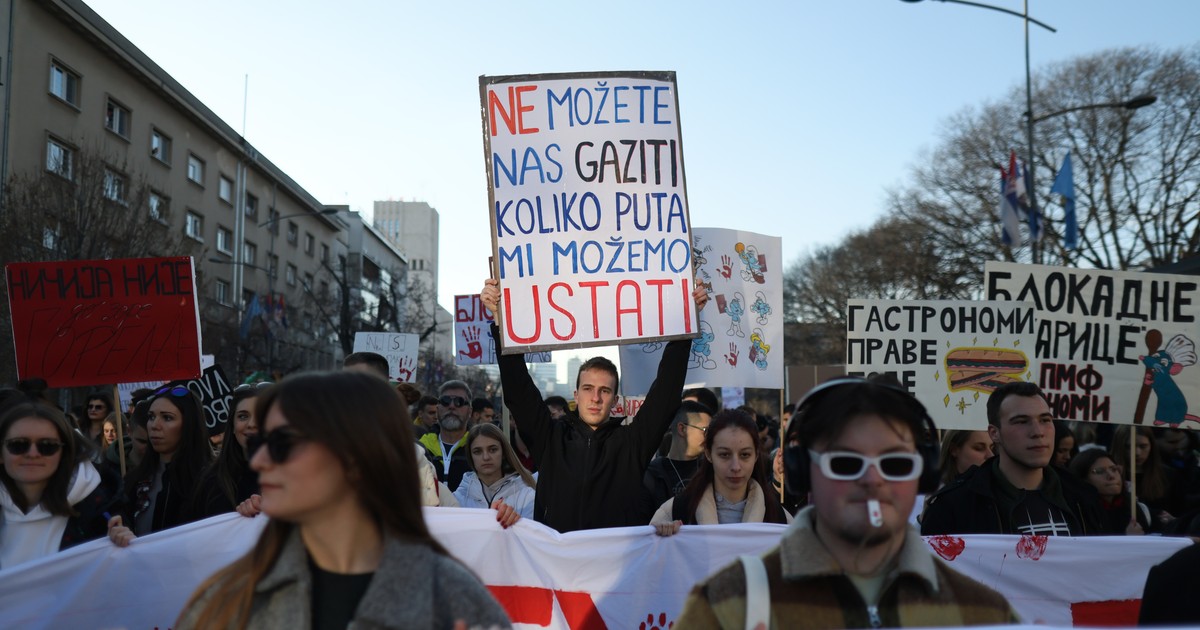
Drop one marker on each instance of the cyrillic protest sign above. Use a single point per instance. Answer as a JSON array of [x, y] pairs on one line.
[[632, 574], [217, 397], [951, 354], [95, 322], [400, 350], [473, 341], [1114, 346], [589, 212]]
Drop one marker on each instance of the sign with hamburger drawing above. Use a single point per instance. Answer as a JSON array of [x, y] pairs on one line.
[[951, 354]]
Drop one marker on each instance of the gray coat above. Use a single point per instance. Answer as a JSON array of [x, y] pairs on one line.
[[414, 587]]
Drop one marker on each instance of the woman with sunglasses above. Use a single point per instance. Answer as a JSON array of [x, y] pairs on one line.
[[496, 475], [346, 541], [730, 484], [228, 480], [51, 496], [159, 490]]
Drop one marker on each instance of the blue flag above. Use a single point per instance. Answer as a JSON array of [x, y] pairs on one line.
[[252, 310], [1064, 184]]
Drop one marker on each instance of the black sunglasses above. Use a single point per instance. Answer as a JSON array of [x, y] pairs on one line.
[[255, 386], [457, 401], [279, 444], [20, 446]]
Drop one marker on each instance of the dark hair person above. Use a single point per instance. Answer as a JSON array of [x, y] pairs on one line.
[[346, 541], [228, 480], [1095, 467], [961, 450], [730, 484], [51, 497], [159, 489]]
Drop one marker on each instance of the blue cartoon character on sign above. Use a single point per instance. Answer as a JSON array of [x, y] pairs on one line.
[[702, 348], [735, 309], [651, 347], [761, 307], [754, 267], [758, 349], [1161, 368]]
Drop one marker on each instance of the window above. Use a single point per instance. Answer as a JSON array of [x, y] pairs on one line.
[[290, 275], [293, 232], [117, 118], [224, 240], [251, 206], [225, 189], [195, 169], [249, 253], [324, 252], [63, 83], [308, 243], [160, 146], [194, 226], [159, 206], [308, 281], [116, 186], [272, 265], [247, 297], [50, 236], [273, 221], [222, 293], [60, 159]]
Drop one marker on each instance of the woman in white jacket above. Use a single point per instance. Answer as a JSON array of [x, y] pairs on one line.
[[730, 484], [496, 473]]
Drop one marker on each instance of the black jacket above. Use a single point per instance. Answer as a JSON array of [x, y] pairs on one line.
[[1170, 585], [89, 522], [969, 505], [592, 478]]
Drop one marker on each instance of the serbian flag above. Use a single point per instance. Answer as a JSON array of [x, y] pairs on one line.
[[1010, 189], [1064, 184]]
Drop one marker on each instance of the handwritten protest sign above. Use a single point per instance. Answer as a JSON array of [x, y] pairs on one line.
[[951, 354], [400, 350], [740, 343], [589, 213], [473, 342], [217, 397], [1114, 346], [92, 322]]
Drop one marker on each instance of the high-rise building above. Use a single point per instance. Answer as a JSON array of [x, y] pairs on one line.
[[413, 225]]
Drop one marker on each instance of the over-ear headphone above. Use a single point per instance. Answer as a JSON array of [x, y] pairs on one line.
[[795, 456]]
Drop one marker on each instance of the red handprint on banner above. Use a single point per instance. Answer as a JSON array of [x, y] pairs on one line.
[[732, 357], [726, 268], [474, 348], [406, 369]]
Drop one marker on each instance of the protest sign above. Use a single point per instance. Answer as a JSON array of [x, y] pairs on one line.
[[588, 209], [950, 354], [216, 396], [1114, 346], [534, 572], [473, 341], [741, 330], [93, 322], [400, 350]]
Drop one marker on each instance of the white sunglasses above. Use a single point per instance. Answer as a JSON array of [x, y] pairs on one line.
[[847, 466]]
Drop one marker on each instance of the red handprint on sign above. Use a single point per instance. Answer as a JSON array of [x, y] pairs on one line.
[[406, 369], [732, 357], [474, 348], [726, 268]]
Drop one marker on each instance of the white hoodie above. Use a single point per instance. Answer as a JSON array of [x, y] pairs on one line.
[[511, 488], [25, 537]]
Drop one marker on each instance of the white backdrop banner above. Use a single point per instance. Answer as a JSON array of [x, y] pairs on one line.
[[609, 578]]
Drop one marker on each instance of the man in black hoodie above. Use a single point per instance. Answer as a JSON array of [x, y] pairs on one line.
[[590, 466], [1017, 491]]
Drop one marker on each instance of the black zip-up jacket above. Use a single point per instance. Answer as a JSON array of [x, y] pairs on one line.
[[588, 478], [969, 505]]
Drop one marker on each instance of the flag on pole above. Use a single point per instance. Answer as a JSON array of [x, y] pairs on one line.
[[1031, 213], [1064, 184], [254, 309], [1010, 221]]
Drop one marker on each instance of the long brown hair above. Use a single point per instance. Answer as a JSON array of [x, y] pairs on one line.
[[74, 451], [366, 426], [509, 463], [1152, 481], [699, 483]]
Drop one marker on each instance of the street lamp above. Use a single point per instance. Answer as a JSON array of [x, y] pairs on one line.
[[1136, 102]]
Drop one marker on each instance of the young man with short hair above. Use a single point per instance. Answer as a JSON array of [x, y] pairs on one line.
[[850, 559], [1017, 491], [369, 362], [666, 476]]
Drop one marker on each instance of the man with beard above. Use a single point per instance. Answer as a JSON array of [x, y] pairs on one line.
[[1017, 491], [862, 449], [446, 448]]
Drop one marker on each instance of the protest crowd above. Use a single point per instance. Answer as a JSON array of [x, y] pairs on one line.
[[342, 464]]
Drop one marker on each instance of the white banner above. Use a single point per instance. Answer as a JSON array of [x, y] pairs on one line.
[[400, 350], [473, 341], [741, 329], [615, 578]]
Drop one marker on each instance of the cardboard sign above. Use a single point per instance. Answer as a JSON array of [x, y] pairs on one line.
[[95, 322], [400, 350], [217, 396], [589, 214], [473, 342], [1114, 346], [950, 354]]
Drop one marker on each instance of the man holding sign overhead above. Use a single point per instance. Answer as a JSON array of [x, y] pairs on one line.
[[590, 466]]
